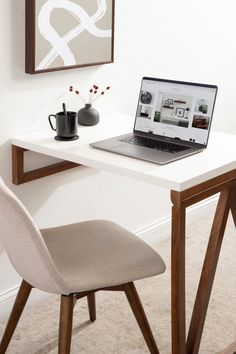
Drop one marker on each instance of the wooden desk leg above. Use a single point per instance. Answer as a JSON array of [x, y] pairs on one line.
[[178, 280], [233, 204], [208, 273], [231, 349]]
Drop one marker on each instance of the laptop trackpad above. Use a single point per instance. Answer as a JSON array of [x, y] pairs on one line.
[[141, 152]]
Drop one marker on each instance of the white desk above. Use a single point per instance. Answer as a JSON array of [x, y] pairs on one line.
[[219, 157], [190, 180]]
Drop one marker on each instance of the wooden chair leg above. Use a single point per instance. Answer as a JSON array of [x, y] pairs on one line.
[[231, 349], [65, 326], [92, 306], [18, 307], [137, 308]]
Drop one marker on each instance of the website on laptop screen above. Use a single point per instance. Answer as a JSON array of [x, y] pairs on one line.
[[175, 110]]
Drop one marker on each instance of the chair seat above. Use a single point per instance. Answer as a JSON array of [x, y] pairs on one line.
[[95, 254]]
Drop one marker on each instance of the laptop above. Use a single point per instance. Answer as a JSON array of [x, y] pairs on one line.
[[173, 121]]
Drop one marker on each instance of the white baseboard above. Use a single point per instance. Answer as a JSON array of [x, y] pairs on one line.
[[151, 234], [161, 229], [7, 299], [7, 295]]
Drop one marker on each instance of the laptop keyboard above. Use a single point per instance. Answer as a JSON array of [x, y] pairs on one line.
[[155, 144]]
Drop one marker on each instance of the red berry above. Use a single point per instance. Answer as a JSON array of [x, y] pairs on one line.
[[95, 92], [77, 92]]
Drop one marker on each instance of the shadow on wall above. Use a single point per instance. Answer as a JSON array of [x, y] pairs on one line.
[[5, 161], [36, 193], [17, 38]]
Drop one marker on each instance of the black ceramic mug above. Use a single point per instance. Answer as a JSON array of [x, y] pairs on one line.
[[66, 125]]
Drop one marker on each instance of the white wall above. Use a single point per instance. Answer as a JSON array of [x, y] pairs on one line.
[[185, 40]]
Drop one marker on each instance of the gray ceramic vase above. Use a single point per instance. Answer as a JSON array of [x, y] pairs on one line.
[[88, 115]]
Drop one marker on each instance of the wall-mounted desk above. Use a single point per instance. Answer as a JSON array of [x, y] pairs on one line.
[[189, 180]]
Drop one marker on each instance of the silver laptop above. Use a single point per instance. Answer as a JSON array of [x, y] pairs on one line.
[[173, 120]]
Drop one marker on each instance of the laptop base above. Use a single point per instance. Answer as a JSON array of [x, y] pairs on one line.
[[115, 145]]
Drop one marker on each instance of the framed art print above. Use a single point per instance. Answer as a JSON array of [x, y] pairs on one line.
[[180, 112], [65, 34]]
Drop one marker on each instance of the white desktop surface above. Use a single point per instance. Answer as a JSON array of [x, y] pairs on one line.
[[218, 158]]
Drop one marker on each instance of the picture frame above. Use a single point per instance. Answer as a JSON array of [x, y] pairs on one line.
[[166, 103], [68, 34], [146, 97], [180, 112]]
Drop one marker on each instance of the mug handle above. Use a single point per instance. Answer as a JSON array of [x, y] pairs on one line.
[[49, 118]]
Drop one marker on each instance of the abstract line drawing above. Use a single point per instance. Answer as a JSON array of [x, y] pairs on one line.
[[92, 21]]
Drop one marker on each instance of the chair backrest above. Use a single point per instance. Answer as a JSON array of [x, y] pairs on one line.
[[24, 244]]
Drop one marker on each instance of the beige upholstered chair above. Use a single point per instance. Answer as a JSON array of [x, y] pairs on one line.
[[74, 261]]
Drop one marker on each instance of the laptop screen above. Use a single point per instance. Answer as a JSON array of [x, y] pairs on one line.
[[175, 109]]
